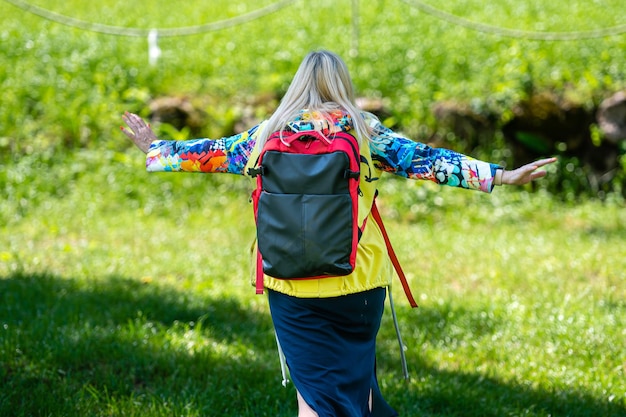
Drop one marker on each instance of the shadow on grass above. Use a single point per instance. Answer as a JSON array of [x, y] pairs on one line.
[[119, 347], [437, 392]]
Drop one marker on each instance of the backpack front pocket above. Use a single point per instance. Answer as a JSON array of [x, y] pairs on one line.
[[305, 235]]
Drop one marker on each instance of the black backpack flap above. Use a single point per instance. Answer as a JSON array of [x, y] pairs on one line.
[[287, 173]]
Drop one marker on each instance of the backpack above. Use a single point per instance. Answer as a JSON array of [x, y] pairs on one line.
[[306, 207], [305, 204]]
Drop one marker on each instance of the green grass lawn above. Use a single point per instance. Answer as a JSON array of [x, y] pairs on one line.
[[127, 293]]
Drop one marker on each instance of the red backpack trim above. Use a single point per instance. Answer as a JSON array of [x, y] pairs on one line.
[[306, 204]]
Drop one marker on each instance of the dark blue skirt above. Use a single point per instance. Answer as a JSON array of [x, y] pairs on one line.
[[330, 348]]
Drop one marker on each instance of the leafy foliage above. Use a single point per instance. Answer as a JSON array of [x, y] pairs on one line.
[[64, 88]]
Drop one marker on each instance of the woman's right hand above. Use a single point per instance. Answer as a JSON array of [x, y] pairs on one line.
[[140, 132]]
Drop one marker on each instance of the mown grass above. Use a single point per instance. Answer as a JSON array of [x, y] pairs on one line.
[[129, 294], [123, 293]]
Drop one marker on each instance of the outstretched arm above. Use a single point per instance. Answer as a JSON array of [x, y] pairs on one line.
[[524, 174], [402, 156], [226, 155]]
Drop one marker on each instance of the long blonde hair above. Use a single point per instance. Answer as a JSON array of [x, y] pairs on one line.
[[322, 83]]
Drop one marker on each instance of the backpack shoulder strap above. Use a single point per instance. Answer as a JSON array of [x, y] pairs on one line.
[[392, 255], [259, 284]]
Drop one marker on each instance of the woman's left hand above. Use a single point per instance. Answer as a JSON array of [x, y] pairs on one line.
[[140, 132], [526, 173]]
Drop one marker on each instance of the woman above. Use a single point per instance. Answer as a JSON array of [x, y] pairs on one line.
[[327, 327]]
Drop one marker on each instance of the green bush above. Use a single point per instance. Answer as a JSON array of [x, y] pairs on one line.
[[64, 88]]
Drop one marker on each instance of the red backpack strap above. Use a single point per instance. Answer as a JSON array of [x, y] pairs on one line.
[[259, 272], [392, 255]]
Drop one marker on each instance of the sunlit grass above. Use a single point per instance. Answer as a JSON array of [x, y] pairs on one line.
[[130, 294]]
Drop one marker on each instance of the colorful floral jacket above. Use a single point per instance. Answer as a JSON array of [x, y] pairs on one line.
[[387, 151]]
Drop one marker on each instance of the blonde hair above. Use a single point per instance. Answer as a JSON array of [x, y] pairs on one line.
[[322, 83]]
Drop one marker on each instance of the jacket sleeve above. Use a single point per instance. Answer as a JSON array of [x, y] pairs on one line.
[[394, 153], [227, 155]]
